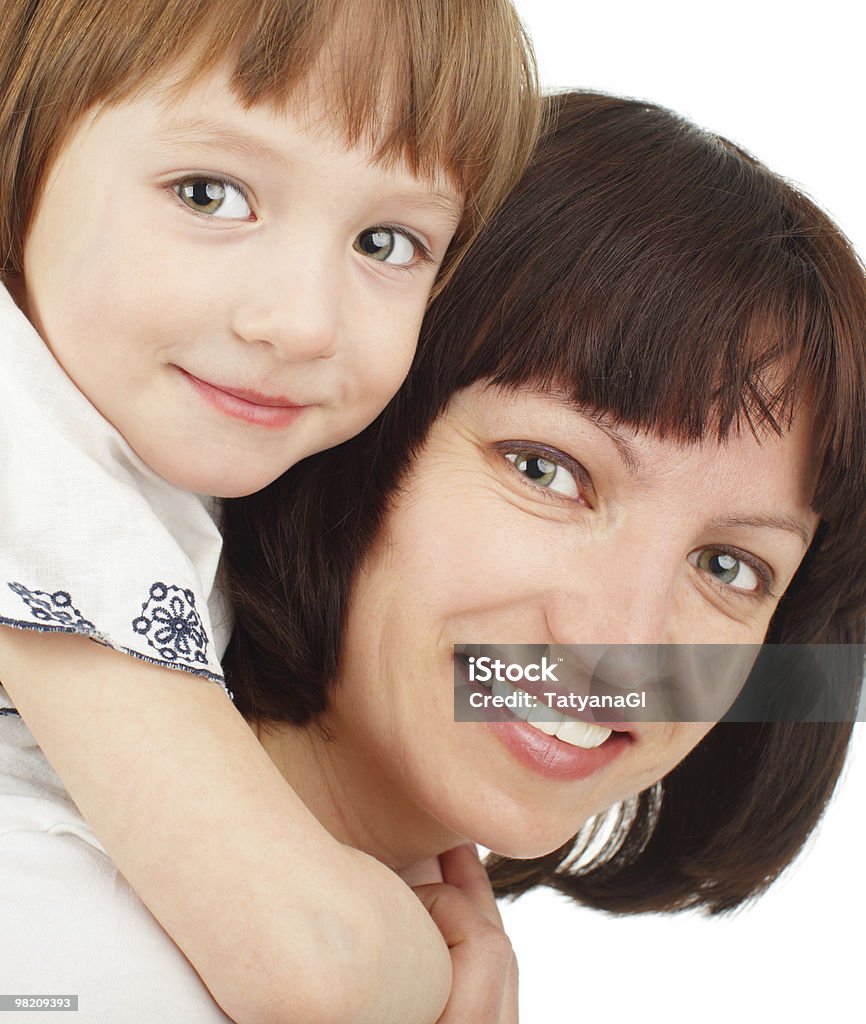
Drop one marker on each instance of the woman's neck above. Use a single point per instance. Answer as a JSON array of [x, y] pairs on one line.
[[351, 797]]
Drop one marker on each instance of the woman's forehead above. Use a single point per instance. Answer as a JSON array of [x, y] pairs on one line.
[[760, 466], [562, 403]]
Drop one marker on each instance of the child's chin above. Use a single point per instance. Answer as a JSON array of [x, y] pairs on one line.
[[218, 478]]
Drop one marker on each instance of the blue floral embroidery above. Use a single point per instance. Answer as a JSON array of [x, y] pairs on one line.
[[56, 607], [172, 625]]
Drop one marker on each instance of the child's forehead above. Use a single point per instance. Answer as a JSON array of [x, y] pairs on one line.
[[206, 109]]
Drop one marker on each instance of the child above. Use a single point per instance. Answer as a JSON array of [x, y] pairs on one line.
[[222, 222]]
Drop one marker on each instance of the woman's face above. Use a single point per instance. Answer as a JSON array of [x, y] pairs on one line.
[[525, 520]]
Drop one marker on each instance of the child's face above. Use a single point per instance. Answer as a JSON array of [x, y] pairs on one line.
[[232, 289]]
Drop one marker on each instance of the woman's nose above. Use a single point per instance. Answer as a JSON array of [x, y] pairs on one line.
[[294, 306], [614, 598]]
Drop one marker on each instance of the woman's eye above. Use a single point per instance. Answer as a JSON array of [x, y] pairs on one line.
[[213, 197], [728, 569], [387, 245], [544, 473]]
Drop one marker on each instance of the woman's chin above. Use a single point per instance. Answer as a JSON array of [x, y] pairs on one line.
[[522, 851], [525, 837], [525, 850]]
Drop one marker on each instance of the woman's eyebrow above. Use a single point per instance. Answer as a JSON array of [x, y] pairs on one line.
[[624, 447], [764, 522], [629, 456], [626, 450]]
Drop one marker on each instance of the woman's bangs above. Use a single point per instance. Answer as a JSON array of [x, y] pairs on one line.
[[752, 377], [682, 369], [701, 344]]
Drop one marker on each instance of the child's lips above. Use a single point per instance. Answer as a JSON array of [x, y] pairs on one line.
[[247, 404], [255, 397]]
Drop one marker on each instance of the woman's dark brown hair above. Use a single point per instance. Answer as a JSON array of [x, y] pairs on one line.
[[657, 273]]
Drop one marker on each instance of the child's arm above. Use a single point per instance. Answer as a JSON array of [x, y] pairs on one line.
[[282, 922]]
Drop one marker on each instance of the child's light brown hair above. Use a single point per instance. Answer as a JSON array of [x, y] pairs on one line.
[[446, 85]]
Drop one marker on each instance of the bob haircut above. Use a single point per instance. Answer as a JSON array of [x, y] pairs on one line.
[[659, 275], [447, 87]]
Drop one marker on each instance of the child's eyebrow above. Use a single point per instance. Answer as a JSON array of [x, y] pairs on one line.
[[203, 132], [429, 198], [206, 132]]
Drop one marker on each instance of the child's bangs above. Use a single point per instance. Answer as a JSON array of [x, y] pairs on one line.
[[447, 89]]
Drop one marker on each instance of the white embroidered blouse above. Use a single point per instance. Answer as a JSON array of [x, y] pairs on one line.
[[92, 541]]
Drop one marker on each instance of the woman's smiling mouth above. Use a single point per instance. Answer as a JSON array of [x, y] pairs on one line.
[[536, 713], [552, 744]]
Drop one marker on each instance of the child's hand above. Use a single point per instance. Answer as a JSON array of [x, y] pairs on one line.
[[484, 985]]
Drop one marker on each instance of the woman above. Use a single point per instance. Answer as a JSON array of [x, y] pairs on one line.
[[638, 415], [658, 316]]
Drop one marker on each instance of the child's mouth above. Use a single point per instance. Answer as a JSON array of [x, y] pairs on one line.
[[244, 404]]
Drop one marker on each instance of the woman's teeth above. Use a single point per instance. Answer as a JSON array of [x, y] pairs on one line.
[[550, 721]]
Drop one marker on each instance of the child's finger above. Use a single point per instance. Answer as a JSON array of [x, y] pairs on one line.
[[481, 956], [509, 1010], [423, 872], [462, 868]]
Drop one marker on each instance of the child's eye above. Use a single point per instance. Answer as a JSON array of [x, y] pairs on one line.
[[732, 570], [213, 197], [391, 245], [545, 473]]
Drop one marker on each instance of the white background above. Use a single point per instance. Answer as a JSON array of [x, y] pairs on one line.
[[786, 81]]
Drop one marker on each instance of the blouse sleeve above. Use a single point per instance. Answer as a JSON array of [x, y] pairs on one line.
[[94, 542]]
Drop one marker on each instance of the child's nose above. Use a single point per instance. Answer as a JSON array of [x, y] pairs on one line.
[[294, 310]]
